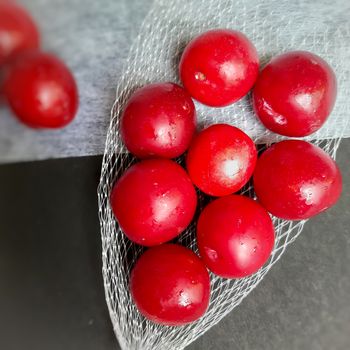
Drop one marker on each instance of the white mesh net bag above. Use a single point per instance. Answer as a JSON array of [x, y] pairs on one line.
[[274, 26]]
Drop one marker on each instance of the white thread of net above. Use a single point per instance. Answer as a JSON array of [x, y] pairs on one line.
[[273, 26]]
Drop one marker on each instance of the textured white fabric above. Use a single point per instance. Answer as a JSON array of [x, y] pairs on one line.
[[274, 26]]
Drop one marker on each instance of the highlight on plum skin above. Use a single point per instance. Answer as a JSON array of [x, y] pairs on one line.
[[296, 180], [221, 159], [18, 31], [219, 67], [153, 201], [159, 120], [46, 100], [295, 93], [170, 285]]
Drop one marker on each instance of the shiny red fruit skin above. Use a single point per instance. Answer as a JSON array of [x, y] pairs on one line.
[[153, 201], [295, 93], [159, 120], [235, 236], [18, 31], [170, 285], [296, 180], [41, 90], [219, 67], [221, 159]]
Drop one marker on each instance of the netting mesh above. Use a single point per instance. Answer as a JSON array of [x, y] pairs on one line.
[[274, 27]]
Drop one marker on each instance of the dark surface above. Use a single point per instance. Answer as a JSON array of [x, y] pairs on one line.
[[51, 292]]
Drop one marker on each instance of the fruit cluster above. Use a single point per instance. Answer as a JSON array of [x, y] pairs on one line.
[[38, 86], [155, 199]]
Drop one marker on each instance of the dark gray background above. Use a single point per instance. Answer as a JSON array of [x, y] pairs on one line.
[[51, 290]]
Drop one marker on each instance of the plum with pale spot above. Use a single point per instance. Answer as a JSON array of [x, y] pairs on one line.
[[219, 67], [221, 159]]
